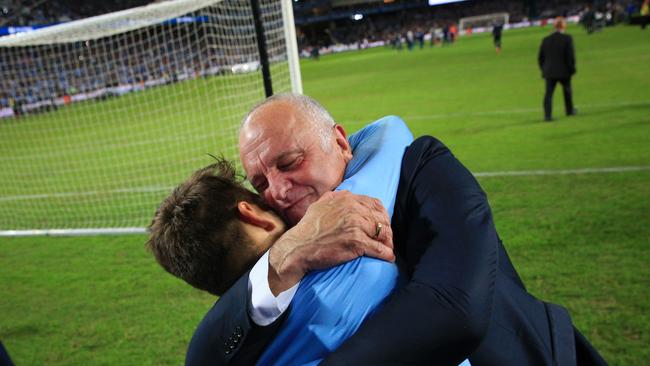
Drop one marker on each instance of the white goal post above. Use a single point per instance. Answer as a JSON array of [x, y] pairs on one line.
[[101, 117], [486, 21]]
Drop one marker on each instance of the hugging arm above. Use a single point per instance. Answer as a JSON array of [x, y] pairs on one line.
[[444, 231]]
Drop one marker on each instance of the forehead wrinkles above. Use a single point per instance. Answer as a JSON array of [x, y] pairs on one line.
[[271, 127], [276, 129], [262, 147], [253, 153], [287, 118]]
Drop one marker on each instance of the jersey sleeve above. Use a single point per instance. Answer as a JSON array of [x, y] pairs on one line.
[[377, 152]]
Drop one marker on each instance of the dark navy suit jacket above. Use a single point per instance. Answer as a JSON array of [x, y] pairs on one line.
[[463, 296], [556, 56]]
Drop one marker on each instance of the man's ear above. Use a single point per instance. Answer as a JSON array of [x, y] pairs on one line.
[[254, 215], [342, 142]]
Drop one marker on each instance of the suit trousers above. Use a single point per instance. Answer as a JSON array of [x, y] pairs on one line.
[[548, 96]]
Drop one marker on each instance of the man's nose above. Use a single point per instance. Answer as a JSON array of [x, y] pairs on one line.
[[278, 187]]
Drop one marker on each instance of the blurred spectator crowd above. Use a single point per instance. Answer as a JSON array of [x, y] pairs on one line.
[[35, 78], [40, 78], [393, 28], [43, 12]]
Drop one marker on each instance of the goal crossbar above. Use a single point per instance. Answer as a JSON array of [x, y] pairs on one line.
[[483, 20], [106, 25]]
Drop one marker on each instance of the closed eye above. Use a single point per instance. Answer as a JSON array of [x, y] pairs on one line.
[[291, 164]]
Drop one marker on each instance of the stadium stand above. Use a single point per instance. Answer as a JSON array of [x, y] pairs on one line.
[[72, 73], [39, 12], [90, 70], [322, 26]]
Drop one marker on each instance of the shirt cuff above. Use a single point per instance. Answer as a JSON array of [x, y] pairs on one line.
[[264, 308]]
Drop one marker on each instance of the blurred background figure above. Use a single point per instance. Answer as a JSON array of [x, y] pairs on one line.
[[496, 35], [645, 13], [557, 60], [315, 53], [410, 39], [419, 36], [453, 32], [446, 37]]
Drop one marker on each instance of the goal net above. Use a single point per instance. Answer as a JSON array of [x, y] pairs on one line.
[[486, 21], [100, 118]]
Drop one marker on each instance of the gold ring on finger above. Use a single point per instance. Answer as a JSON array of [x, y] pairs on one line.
[[377, 230]]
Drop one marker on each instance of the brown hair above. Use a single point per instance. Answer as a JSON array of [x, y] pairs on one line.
[[196, 234]]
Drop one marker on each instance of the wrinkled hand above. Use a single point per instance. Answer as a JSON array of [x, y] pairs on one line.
[[337, 228]]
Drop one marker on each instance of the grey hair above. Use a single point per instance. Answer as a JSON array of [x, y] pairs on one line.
[[319, 118]]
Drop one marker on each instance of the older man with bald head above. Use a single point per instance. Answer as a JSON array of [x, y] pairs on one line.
[[293, 152], [461, 296], [292, 155]]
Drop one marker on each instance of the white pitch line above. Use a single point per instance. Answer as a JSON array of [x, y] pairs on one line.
[[522, 110], [87, 193], [74, 232], [620, 169]]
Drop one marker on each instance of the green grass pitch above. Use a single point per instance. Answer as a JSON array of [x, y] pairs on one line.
[[578, 239]]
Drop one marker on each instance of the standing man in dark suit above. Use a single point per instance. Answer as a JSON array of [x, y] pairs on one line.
[[497, 30], [558, 63]]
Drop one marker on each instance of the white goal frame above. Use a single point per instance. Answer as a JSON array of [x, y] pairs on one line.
[[117, 23], [485, 21]]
